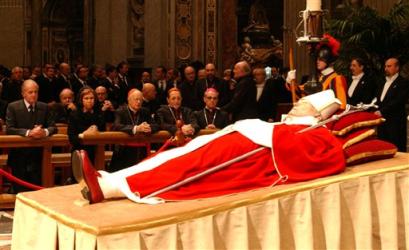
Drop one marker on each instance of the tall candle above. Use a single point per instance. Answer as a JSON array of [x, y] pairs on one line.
[[313, 5]]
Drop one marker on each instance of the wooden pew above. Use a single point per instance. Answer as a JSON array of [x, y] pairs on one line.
[[49, 160], [103, 138], [16, 141]]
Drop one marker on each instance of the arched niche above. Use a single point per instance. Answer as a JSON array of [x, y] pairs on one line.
[[63, 31]]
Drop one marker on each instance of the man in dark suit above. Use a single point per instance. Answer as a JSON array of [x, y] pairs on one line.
[[11, 90], [63, 81], [392, 97], [169, 115], [80, 79], [150, 101], [131, 119], [29, 118], [211, 117], [361, 86], [46, 83], [212, 81], [266, 95], [162, 87], [96, 76], [188, 88], [61, 110], [243, 104]]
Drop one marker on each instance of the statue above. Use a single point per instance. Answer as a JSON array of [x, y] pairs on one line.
[[258, 20], [246, 51], [260, 55], [138, 23]]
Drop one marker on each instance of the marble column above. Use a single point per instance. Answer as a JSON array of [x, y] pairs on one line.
[[228, 33], [36, 36]]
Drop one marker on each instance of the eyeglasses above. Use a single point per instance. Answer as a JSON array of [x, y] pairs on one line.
[[211, 98]]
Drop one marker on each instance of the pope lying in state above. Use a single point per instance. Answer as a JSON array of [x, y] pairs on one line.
[[247, 155]]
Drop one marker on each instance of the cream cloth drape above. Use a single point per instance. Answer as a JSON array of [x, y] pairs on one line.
[[367, 207]]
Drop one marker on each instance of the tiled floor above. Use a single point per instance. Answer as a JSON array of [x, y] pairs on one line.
[[6, 223]]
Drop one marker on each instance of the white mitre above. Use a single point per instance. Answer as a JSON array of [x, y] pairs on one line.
[[324, 102]]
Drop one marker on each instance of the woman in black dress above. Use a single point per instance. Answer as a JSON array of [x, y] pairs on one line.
[[87, 119]]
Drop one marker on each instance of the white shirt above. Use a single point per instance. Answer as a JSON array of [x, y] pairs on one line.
[[123, 78], [162, 84], [355, 81], [260, 88], [388, 83]]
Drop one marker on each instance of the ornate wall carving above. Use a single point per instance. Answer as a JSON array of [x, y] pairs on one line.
[[11, 3], [183, 27], [137, 12], [211, 31]]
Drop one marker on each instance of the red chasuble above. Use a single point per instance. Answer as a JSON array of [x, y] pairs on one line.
[[299, 156]]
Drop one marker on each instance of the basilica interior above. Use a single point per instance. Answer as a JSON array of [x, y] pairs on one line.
[[157, 32]]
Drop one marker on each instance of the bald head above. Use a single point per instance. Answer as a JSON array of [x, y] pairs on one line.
[[391, 66], [29, 91], [241, 69], [101, 92], [66, 96], [135, 100], [65, 69], [149, 91], [190, 73]]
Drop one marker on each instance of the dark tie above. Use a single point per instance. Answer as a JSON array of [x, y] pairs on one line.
[[31, 112], [135, 117]]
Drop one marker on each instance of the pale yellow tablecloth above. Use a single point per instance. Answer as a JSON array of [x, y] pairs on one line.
[[366, 207]]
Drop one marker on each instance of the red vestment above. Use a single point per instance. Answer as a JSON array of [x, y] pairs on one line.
[[300, 156]]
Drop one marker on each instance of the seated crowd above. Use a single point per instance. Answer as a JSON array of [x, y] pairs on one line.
[[89, 99]]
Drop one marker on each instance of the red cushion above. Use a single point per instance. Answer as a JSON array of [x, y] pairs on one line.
[[355, 136], [353, 121], [369, 150]]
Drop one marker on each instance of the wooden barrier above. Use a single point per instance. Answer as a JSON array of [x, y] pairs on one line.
[[103, 138], [58, 140], [99, 140]]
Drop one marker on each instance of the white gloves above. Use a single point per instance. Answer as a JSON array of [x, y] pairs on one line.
[[291, 75]]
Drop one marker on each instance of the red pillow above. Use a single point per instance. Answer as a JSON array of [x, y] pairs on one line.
[[353, 121], [355, 136], [369, 150]]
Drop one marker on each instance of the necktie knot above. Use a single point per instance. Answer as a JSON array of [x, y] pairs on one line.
[[31, 109]]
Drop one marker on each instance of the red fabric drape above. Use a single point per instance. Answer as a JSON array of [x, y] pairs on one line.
[[300, 156]]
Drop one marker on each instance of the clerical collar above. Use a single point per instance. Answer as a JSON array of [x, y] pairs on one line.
[[300, 120], [327, 71], [392, 78]]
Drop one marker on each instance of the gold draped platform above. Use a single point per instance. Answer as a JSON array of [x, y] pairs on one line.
[[366, 207]]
